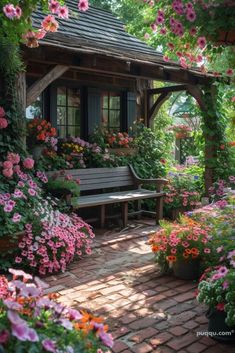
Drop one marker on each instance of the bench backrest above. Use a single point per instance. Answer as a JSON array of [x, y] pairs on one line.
[[100, 178]]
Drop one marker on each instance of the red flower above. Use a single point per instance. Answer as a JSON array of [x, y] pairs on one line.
[[220, 306]]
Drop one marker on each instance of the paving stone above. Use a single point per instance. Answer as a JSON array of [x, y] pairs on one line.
[[184, 297], [119, 346], [128, 318], [142, 323], [196, 348], [142, 348], [201, 319], [122, 331], [160, 339], [181, 342], [191, 324], [140, 336], [178, 330], [163, 305], [208, 341]]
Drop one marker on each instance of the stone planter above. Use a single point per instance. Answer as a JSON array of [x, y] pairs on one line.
[[129, 151], [187, 269], [216, 324]]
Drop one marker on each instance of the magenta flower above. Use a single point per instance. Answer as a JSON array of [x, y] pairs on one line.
[[28, 163], [3, 123], [20, 331], [49, 345], [83, 5], [222, 271], [9, 11], [201, 42], [31, 192], [54, 6], [191, 16], [16, 218], [4, 336], [18, 12]]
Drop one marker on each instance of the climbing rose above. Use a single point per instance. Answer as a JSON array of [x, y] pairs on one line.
[[83, 5], [50, 24], [14, 158], [3, 123], [7, 165], [28, 163]]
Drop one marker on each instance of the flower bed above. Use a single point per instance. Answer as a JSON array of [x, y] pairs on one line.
[[33, 322]]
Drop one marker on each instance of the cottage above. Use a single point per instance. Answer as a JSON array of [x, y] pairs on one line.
[[91, 72]]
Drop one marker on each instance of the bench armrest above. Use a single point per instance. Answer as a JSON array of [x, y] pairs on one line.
[[159, 182]]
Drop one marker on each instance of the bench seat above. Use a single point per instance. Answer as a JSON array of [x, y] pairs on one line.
[[114, 197]]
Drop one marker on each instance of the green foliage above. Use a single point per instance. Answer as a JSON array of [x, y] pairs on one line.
[[63, 186]]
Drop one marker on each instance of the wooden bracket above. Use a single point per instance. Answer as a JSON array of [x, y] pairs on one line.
[[40, 85]]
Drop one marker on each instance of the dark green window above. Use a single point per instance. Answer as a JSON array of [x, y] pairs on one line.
[[111, 110], [68, 112]]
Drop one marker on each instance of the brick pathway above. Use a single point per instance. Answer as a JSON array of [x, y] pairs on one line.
[[146, 312]]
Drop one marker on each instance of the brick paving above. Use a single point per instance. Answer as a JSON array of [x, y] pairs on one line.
[[146, 312]]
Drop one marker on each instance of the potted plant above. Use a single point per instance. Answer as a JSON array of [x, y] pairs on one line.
[[33, 322], [181, 247], [40, 132], [216, 289], [181, 131]]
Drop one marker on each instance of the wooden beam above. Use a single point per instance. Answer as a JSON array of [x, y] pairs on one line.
[[196, 93], [40, 85], [156, 106], [167, 89]]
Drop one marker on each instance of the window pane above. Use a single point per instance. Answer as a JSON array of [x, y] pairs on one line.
[[61, 96], [61, 131], [73, 131], [73, 97], [105, 100], [114, 102], [73, 116], [35, 109], [61, 115], [104, 118], [114, 118]]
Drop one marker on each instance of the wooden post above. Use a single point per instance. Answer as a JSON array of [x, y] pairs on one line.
[[125, 213]]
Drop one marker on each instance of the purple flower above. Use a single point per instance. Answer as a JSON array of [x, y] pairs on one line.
[[49, 345], [106, 338], [74, 314], [32, 335], [225, 284], [222, 271], [20, 331], [66, 324], [12, 305], [14, 318]]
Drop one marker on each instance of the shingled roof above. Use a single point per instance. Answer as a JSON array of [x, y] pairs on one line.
[[99, 32]]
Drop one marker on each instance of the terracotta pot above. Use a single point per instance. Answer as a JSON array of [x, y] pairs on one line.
[[10, 242], [129, 151], [187, 269]]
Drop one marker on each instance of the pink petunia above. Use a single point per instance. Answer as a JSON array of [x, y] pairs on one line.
[[83, 5], [16, 218], [207, 251], [54, 6], [3, 123], [18, 12], [63, 12], [50, 24], [201, 42], [9, 11], [191, 16]]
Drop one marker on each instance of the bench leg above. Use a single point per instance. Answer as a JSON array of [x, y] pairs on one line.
[[125, 213], [159, 209], [102, 216]]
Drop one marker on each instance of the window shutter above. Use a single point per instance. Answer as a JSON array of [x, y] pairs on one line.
[[94, 109], [131, 108]]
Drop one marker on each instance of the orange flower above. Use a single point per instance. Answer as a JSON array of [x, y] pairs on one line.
[[186, 256], [194, 251], [188, 251], [171, 258], [155, 248]]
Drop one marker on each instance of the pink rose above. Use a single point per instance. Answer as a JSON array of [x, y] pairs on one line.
[[16, 168], [3, 123], [28, 163], [2, 112], [7, 165], [13, 157], [7, 173]]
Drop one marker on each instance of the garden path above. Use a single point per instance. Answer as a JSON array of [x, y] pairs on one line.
[[146, 312]]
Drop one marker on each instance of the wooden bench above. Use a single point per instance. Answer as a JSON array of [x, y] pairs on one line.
[[95, 180]]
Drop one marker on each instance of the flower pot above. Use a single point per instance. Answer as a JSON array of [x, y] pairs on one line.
[[9, 243], [37, 152], [217, 326], [128, 151], [187, 269]]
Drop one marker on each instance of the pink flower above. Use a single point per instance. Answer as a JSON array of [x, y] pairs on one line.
[[201, 42], [16, 218], [50, 24], [28, 163], [191, 16], [171, 46], [40, 34], [16, 168], [7, 173], [4, 336], [229, 72], [63, 12], [83, 5], [14, 158], [3, 123], [222, 271], [9, 11], [54, 6], [233, 99], [207, 251], [166, 58], [2, 112], [146, 36], [219, 249], [31, 192], [199, 58], [7, 165], [193, 31], [18, 12], [159, 20], [163, 31], [18, 260], [225, 285]]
